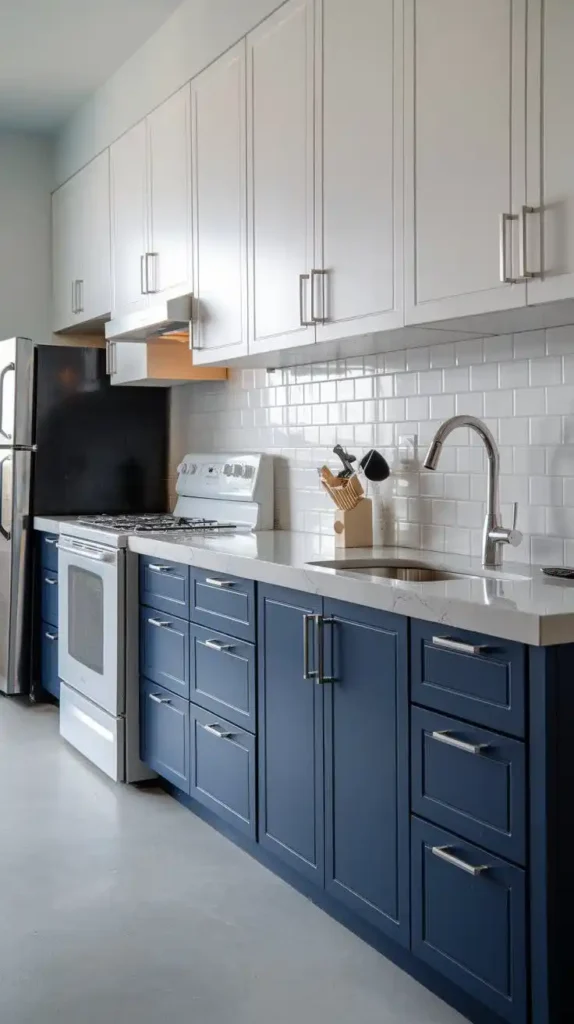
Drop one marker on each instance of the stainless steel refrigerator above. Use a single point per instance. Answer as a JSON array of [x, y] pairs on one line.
[[70, 444]]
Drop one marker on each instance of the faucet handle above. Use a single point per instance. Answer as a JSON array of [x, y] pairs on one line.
[[513, 536], [514, 515]]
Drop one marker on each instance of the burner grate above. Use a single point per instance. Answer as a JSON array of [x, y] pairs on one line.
[[153, 523]]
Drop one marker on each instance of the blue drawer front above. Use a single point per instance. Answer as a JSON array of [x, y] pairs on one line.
[[223, 602], [164, 733], [165, 585], [222, 675], [49, 551], [49, 596], [486, 687], [222, 769], [164, 650], [480, 795], [470, 928], [49, 660]]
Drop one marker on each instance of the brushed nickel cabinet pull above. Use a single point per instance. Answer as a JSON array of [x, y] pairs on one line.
[[444, 853]]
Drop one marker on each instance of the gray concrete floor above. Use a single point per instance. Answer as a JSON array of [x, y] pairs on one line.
[[117, 905]]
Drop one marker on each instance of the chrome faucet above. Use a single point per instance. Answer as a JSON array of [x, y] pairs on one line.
[[493, 535]]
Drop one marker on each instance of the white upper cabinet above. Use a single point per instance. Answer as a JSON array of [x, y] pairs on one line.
[[219, 148], [130, 220], [359, 214], [151, 207], [170, 259], [280, 127], [81, 246], [465, 82], [549, 227]]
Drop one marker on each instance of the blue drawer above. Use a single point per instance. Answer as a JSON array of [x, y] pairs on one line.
[[223, 602], [222, 769], [477, 790], [164, 733], [477, 677], [49, 551], [49, 596], [165, 585], [470, 927], [222, 675], [164, 650], [49, 660]]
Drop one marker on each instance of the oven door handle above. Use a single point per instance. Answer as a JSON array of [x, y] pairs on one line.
[[94, 556]]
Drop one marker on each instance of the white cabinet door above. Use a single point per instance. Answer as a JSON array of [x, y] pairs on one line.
[[464, 154], [65, 248], [550, 172], [359, 167], [94, 269], [220, 209], [170, 246], [280, 126], [129, 214], [127, 361]]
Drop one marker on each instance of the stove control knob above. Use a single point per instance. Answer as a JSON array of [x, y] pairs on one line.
[[228, 469], [248, 472], [237, 470]]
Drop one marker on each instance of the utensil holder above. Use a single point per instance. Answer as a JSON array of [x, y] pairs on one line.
[[354, 526], [346, 493]]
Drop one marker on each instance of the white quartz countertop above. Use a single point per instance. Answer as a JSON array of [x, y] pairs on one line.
[[515, 603]]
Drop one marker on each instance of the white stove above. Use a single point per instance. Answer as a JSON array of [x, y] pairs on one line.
[[98, 600]]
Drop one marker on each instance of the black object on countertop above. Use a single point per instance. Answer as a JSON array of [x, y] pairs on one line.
[[375, 466]]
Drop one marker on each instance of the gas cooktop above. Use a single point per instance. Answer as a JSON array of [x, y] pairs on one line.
[[152, 523]]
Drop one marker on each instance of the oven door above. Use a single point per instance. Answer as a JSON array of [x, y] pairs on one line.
[[91, 621]]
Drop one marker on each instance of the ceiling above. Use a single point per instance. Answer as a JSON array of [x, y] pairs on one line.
[[54, 53]]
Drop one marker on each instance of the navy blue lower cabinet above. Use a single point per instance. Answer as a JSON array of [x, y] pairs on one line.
[[468, 919], [290, 731], [49, 596], [48, 545], [164, 585], [223, 602], [366, 764], [164, 733], [471, 781], [222, 769], [164, 650], [49, 660], [222, 677]]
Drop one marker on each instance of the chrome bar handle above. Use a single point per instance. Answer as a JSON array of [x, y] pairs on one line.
[[5, 533], [445, 736], [505, 218], [308, 673], [322, 274], [143, 274], [50, 540], [160, 623], [73, 297], [321, 623], [160, 568], [443, 852], [157, 699], [51, 636], [525, 273], [217, 645], [153, 288], [9, 368], [458, 645], [79, 296], [218, 731], [213, 582], [302, 321], [51, 583]]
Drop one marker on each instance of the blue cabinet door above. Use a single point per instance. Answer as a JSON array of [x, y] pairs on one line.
[[165, 585], [49, 596], [164, 650], [223, 602], [164, 733], [366, 764], [290, 733], [469, 920], [222, 676], [49, 551], [222, 768], [49, 660]]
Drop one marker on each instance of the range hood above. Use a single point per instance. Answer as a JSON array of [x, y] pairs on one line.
[[164, 316]]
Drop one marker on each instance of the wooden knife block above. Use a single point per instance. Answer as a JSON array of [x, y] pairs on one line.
[[354, 526]]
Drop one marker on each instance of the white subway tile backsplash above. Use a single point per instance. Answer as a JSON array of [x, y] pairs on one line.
[[522, 385]]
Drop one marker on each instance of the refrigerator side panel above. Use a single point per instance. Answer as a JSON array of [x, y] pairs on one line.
[[15, 569], [17, 375]]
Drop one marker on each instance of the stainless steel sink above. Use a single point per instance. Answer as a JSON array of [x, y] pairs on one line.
[[394, 569]]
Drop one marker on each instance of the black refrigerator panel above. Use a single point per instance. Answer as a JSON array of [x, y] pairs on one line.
[[99, 448]]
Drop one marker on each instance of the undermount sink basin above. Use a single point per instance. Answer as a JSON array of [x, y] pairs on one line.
[[409, 572]]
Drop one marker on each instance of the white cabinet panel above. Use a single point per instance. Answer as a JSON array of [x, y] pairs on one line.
[[550, 150], [94, 268], [169, 129], [65, 249], [464, 153], [359, 166], [220, 209], [129, 215], [280, 101]]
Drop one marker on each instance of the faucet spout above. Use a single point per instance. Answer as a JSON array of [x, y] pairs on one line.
[[494, 534]]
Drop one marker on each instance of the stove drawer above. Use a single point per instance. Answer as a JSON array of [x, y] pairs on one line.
[[164, 585], [224, 602], [49, 596], [222, 676], [164, 650]]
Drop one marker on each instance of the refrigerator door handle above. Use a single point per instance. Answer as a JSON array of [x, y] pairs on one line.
[[18, 447], [9, 368], [5, 533]]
